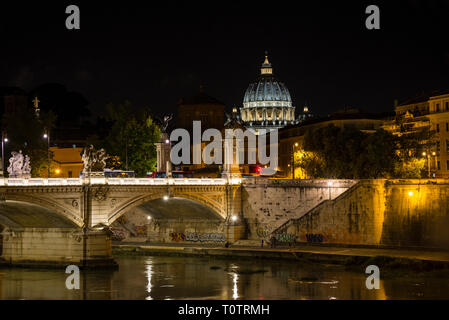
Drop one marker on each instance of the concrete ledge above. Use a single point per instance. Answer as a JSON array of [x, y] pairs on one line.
[[90, 264], [340, 256]]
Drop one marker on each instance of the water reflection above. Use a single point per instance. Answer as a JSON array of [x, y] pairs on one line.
[[235, 294], [201, 278], [149, 274]]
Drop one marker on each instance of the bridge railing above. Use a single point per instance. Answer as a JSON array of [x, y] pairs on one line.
[[113, 181]]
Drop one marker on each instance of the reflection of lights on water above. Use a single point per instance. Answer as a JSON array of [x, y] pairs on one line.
[[149, 273], [235, 294]]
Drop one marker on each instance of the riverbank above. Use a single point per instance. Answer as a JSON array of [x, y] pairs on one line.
[[392, 259]]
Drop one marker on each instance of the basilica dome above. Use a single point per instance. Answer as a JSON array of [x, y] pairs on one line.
[[267, 102], [267, 90]]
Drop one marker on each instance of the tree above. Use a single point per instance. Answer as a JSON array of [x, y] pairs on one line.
[[333, 152], [132, 137]]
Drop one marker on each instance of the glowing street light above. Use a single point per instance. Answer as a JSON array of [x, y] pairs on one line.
[[4, 139], [293, 159], [234, 218], [148, 217], [47, 136], [165, 198], [410, 193]]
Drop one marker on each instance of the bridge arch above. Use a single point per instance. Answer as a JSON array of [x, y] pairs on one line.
[[140, 200], [19, 215], [72, 215]]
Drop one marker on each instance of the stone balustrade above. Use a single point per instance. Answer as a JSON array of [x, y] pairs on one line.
[[115, 181]]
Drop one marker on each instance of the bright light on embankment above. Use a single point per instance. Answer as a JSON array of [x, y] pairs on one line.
[[410, 193]]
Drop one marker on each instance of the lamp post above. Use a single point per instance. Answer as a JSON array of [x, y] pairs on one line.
[[4, 139], [47, 136], [296, 144], [428, 161]]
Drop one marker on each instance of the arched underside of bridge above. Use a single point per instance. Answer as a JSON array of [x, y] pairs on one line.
[[178, 208], [168, 220], [17, 214], [174, 208]]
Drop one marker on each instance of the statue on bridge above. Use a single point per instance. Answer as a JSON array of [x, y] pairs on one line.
[[19, 167], [166, 120], [94, 161]]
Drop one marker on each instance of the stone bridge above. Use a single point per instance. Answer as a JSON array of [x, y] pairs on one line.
[[89, 202], [78, 210]]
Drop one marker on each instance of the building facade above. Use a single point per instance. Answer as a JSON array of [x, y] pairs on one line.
[[427, 112]]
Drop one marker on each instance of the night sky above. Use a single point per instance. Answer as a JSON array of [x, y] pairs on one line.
[[154, 54]]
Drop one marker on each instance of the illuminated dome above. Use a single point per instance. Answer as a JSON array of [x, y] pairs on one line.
[[267, 90], [267, 102]]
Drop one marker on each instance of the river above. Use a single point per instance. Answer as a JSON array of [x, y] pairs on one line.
[[157, 277]]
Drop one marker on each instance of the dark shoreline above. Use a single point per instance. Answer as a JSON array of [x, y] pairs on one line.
[[394, 266]]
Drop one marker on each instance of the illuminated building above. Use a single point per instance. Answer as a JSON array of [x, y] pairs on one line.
[[66, 162], [426, 112], [267, 103]]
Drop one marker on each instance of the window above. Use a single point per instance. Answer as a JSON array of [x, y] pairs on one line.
[[438, 107], [447, 164], [447, 126], [447, 106], [438, 165], [438, 146], [438, 127], [447, 145], [70, 174]]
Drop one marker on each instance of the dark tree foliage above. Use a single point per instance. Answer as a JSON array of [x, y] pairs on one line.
[[131, 140], [333, 152]]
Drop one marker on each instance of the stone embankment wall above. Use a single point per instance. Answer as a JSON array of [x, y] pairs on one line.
[[267, 204], [404, 213], [53, 246]]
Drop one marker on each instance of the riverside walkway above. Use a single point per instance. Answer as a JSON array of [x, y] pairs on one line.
[[329, 254]]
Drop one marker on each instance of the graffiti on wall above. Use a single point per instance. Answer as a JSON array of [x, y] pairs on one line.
[[316, 238], [286, 237], [263, 232], [122, 220], [140, 231], [195, 237], [177, 236], [117, 234], [202, 237]]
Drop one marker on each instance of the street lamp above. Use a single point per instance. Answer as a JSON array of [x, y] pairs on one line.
[[428, 161], [293, 159], [47, 136], [4, 139]]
